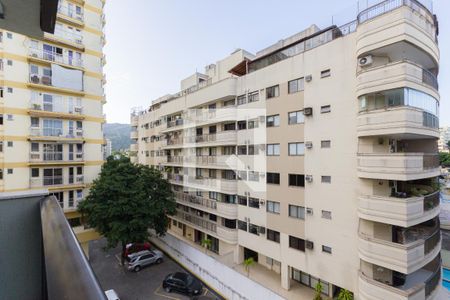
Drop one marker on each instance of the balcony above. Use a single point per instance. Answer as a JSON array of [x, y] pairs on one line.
[[204, 140], [401, 20], [398, 166], [57, 181], [376, 282], [405, 212], [201, 223], [399, 74], [211, 184], [133, 147], [134, 135], [56, 158], [58, 134], [227, 210], [210, 161], [46, 83], [65, 36], [38, 251], [70, 14], [40, 109], [49, 56], [400, 120], [405, 257]]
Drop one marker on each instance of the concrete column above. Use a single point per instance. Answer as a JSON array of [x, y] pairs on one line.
[[285, 276], [239, 255]]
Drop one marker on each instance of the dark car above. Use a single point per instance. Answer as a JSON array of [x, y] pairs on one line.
[[183, 283]]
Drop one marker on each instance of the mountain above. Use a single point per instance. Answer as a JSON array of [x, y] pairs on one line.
[[119, 134]]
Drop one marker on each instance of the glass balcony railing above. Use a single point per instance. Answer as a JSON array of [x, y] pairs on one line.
[[55, 57], [71, 12], [56, 132]]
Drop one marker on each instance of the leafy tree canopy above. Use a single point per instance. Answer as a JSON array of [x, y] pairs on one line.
[[126, 200], [444, 159]]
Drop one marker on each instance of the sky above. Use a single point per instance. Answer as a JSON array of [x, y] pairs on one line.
[[153, 44]]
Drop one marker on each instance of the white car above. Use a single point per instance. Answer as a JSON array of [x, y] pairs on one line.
[[111, 295]]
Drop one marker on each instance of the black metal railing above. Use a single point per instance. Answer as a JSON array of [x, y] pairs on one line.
[[63, 256], [432, 241], [433, 281]]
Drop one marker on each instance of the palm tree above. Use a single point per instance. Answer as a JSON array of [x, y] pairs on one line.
[[318, 289], [207, 244], [345, 295], [247, 264]]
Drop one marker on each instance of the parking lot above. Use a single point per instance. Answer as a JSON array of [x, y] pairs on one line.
[[145, 284]]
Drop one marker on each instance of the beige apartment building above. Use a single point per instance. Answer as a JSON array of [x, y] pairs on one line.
[[317, 156], [51, 101]]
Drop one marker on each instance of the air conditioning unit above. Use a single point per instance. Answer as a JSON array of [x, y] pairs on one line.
[[308, 78], [309, 211], [309, 245], [262, 230], [308, 111], [261, 202], [365, 61], [309, 178], [77, 109], [34, 79], [34, 54], [47, 80], [308, 145]]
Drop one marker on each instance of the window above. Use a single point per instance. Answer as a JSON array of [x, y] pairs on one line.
[[326, 214], [325, 144], [252, 124], [295, 85], [273, 235], [253, 202], [10, 171], [326, 179], [325, 73], [273, 178], [273, 207], [326, 249], [325, 109], [253, 176], [253, 149], [242, 125], [9, 35], [1, 146], [253, 97], [242, 150], [273, 91], [297, 243], [10, 90], [228, 103], [252, 228], [229, 126], [213, 195], [241, 100], [297, 212], [9, 62], [273, 150], [242, 225], [242, 200], [34, 122], [10, 144], [242, 175], [1, 119], [296, 117], [10, 117], [296, 180], [212, 173], [296, 149], [273, 121], [229, 150]]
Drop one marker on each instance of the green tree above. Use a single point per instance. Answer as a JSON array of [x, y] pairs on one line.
[[207, 244], [247, 264], [318, 291], [345, 295], [126, 200], [448, 144], [444, 159]]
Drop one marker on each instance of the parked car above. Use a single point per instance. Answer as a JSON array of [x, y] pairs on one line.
[[182, 283], [137, 261], [111, 295], [136, 247]]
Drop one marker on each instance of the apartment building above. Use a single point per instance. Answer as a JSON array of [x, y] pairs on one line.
[[51, 99], [444, 138], [316, 156]]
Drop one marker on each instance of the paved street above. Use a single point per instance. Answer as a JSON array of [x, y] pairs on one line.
[[145, 284]]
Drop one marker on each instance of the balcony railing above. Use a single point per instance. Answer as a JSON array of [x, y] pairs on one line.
[[430, 78], [70, 12], [213, 160], [430, 161], [57, 156], [56, 132], [69, 35], [432, 241], [173, 123], [208, 203], [200, 222], [432, 282], [224, 136], [40, 106], [431, 201], [55, 57]]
